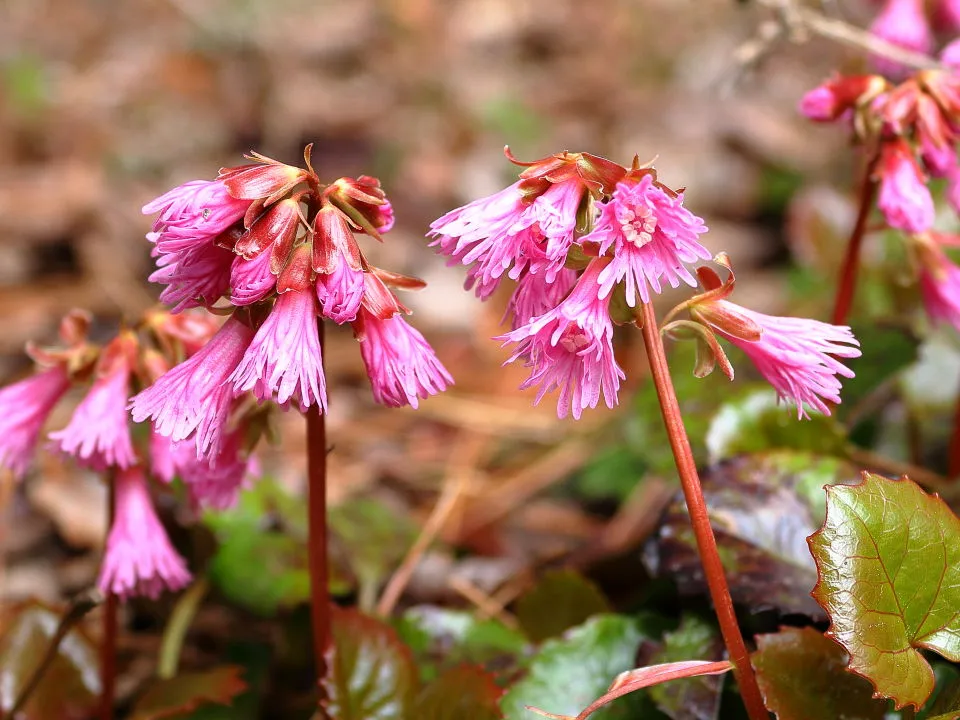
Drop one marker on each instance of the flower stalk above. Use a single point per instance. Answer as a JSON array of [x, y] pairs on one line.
[[317, 541], [847, 284], [699, 518]]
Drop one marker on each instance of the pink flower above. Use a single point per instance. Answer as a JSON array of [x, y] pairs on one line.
[[251, 280], [904, 199], [284, 357], [503, 234], [939, 284], [139, 559], [903, 23], [400, 363], [948, 15], [24, 407], [534, 295], [163, 458], [952, 193], [98, 434], [340, 292], [950, 55], [820, 104], [193, 214], [571, 348], [196, 277], [193, 399], [797, 356], [940, 160], [213, 485], [652, 235]]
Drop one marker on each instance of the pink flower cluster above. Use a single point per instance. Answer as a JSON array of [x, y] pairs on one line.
[[582, 236], [912, 131], [906, 23]]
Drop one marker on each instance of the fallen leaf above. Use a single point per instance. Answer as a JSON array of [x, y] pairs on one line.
[[177, 696]]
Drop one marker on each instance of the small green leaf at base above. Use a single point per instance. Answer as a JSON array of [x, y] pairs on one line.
[[888, 561], [803, 675], [561, 600]]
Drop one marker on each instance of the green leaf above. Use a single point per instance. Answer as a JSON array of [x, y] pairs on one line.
[[803, 675], [559, 601], [696, 698], [762, 508], [372, 673], [569, 673], [888, 557], [374, 539], [176, 697], [758, 421], [70, 687], [461, 693], [442, 638]]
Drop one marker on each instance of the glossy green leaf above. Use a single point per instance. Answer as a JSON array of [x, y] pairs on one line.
[[888, 557], [559, 601], [441, 638], [372, 673], [176, 697], [70, 687], [762, 508], [758, 421], [569, 673], [461, 693], [803, 675], [697, 697]]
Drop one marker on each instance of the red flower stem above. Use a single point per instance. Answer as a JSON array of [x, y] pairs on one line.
[[699, 519], [108, 644], [317, 540], [847, 284]]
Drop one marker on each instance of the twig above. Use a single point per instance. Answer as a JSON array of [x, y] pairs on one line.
[[78, 608], [486, 604], [453, 488], [889, 466], [799, 20]]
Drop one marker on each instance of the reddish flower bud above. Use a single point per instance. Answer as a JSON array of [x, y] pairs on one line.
[[377, 298], [268, 181], [277, 225], [297, 274], [332, 240], [835, 97]]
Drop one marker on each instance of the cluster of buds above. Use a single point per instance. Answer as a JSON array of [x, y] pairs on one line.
[[275, 251], [911, 131], [140, 559], [908, 24], [587, 240]]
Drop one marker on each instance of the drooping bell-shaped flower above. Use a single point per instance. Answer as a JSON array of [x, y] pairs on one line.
[[651, 235], [903, 23], [211, 483], [24, 407], [337, 262], [400, 363], [98, 434], [570, 347], [534, 295], [192, 215], [195, 277], [835, 98], [193, 399], [904, 198], [797, 356], [139, 559], [939, 280], [284, 357]]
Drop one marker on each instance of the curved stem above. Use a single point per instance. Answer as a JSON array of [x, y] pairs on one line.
[[699, 519], [173, 635], [108, 644], [317, 539], [847, 284]]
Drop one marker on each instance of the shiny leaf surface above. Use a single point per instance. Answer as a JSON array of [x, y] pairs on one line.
[[461, 693], [176, 697], [698, 697]]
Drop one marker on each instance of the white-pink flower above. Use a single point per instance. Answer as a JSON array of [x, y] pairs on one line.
[[340, 292], [284, 357], [139, 559], [24, 407], [904, 198], [503, 234], [196, 277], [98, 434], [193, 399], [797, 356], [193, 214], [652, 236], [251, 280], [570, 348], [939, 283], [400, 363]]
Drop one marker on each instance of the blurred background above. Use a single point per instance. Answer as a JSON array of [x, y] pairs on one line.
[[106, 104]]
